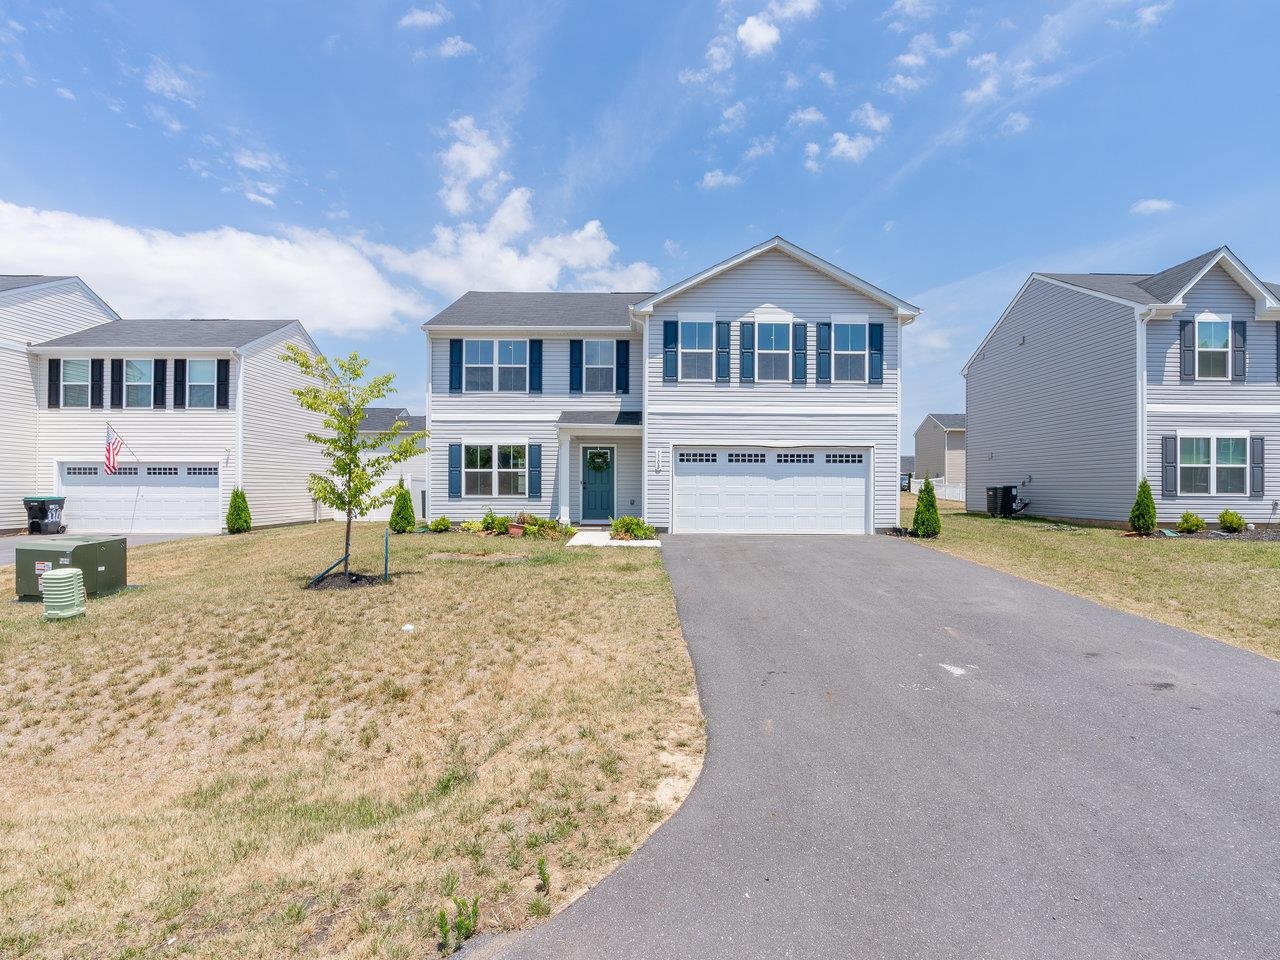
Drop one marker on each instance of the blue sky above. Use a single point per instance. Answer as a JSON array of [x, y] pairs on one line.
[[360, 165]]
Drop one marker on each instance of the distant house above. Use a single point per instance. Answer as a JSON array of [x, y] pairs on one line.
[[908, 464], [412, 472], [1089, 383], [201, 406], [940, 447]]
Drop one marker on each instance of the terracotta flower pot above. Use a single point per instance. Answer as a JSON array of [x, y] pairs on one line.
[[515, 530]]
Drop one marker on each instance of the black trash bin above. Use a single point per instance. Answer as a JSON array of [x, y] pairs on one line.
[[44, 514]]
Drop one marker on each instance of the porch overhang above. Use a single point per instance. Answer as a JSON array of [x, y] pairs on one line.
[[589, 425]]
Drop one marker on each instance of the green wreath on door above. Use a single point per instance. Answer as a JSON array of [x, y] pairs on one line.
[[599, 460]]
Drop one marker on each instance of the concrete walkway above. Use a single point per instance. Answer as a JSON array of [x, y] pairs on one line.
[[911, 756]]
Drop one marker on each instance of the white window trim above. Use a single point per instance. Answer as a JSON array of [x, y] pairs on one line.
[[709, 319], [852, 320], [201, 383], [87, 384], [1213, 318], [494, 470], [612, 367], [774, 352], [497, 366], [1213, 437], [149, 382]]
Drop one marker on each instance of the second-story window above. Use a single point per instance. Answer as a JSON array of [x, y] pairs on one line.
[[138, 380], [598, 361], [850, 351], [1213, 347], [513, 365], [773, 351], [201, 384], [696, 360], [477, 362], [75, 383], [495, 365]]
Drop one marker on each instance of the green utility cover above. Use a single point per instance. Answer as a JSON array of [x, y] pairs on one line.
[[102, 560]]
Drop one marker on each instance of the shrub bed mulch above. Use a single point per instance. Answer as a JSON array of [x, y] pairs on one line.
[[1258, 533], [345, 581]]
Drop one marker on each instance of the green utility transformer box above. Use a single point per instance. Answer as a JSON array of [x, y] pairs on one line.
[[102, 560]]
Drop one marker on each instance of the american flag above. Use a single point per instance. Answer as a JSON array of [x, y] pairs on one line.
[[114, 443]]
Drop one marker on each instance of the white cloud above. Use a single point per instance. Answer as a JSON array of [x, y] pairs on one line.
[[987, 89], [319, 278], [812, 157], [807, 116], [455, 47], [793, 9], [715, 179], [425, 17], [888, 226], [854, 148], [64, 93], [760, 147], [791, 81], [172, 125], [259, 161], [258, 198], [758, 35], [732, 117], [717, 60], [923, 49], [827, 79], [1146, 208], [874, 120], [164, 81], [673, 249], [1014, 124], [910, 10], [1151, 15], [473, 156], [902, 83]]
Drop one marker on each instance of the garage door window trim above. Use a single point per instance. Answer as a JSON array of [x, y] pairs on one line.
[[75, 383], [139, 381], [773, 352]]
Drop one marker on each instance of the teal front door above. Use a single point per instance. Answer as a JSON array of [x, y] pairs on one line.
[[597, 483]]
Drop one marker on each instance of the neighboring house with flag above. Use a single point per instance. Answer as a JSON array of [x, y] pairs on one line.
[[191, 409]]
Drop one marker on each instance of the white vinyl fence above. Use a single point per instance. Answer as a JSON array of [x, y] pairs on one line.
[[943, 491]]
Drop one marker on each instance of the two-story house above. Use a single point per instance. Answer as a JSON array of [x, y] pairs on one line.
[[760, 395], [200, 407], [1090, 382]]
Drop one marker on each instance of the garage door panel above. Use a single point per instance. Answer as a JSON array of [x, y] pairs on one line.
[[142, 498], [770, 490]]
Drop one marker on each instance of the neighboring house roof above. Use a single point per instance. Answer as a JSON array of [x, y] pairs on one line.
[[908, 464], [906, 311], [15, 281], [378, 419], [168, 334], [1122, 285], [612, 418], [947, 421], [490, 309]]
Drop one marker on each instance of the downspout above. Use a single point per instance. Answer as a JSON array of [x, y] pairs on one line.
[[427, 421], [1141, 338], [644, 418], [238, 359]]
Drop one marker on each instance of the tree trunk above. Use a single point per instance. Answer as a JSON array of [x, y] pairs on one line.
[[346, 550]]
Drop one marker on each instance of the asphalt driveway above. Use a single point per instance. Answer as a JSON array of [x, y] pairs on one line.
[[9, 544], [911, 756]]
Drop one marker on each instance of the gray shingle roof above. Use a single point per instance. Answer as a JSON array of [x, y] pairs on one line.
[[377, 419], [484, 309], [612, 418], [14, 281], [950, 421], [168, 334], [1122, 285], [1167, 284], [1146, 288]]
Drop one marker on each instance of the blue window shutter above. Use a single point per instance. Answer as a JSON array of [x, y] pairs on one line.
[[1239, 331], [622, 366], [535, 471], [160, 377], [1277, 326], [875, 353], [455, 366], [575, 366], [1187, 347], [670, 350], [455, 471], [55, 383], [747, 351], [799, 353], [95, 382], [179, 384], [535, 366], [722, 351], [824, 353], [222, 391], [117, 382], [1168, 467], [1257, 466]]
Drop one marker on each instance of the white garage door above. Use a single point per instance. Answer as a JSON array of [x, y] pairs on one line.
[[771, 490], [142, 498]]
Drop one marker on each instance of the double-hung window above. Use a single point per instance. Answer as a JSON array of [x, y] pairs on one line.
[[501, 365], [598, 364], [1213, 465], [202, 390], [513, 365], [477, 365], [489, 469], [75, 383], [138, 380], [1213, 347], [696, 359], [773, 351], [849, 350]]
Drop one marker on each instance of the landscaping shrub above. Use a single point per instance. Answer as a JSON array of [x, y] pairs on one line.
[[1231, 522], [1190, 523], [631, 528], [543, 526], [238, 518], [439, 525], [926, 522], [402, 516], [1142, 518], [471, 526]]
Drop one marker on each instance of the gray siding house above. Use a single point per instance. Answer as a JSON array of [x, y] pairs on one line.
[[1090, 382], [940, 447], [759, 395]]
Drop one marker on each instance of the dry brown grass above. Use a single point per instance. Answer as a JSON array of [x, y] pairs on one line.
[[1225, 589], [219, 764]]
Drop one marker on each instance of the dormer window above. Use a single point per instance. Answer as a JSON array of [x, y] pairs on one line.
[[75, 383], [1213, 347]]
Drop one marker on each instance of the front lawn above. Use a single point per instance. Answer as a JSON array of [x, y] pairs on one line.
[[1220, 588], [222, 765]]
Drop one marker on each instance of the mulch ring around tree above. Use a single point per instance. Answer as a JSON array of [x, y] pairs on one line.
[[344, 581]]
